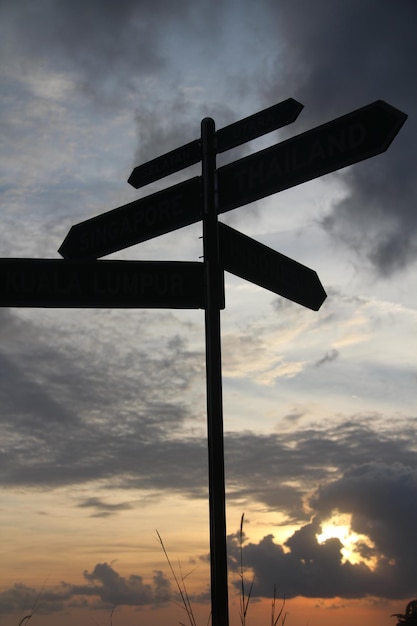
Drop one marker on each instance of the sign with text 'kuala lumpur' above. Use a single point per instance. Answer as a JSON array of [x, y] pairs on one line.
[[101, 284], [344, 141]]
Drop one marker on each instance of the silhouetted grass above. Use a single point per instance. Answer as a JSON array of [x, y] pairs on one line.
[[185, 604], [245, 596], [181, 586], [244, 599], [26, 618]]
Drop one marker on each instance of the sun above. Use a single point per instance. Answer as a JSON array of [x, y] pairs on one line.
[[339, 526]]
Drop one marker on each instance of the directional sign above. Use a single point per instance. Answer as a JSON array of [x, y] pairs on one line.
[[258, 124], [342, 142], [251, 260], [132, 223], [168, 163], [228, 137], [351, 138], [101, 284]]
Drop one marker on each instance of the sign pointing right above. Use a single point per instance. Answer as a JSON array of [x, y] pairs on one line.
[[354, 137], [249, 259]]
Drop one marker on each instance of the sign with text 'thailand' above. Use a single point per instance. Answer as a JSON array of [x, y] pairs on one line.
[[354, 137], [56, 283]]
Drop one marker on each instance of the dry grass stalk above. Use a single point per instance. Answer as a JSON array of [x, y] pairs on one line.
[[275, 620], [244, 599], [181, 586]]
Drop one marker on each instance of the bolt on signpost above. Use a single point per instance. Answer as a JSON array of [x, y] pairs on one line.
[[81, 281]]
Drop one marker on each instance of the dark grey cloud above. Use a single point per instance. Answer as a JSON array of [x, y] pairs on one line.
[[330, 356], [104, 509], [325, 467], [23, 599], [78, 414], [138, 439], [382, 501], [107, 46], [104, 588], [340, 56], [113, 589]]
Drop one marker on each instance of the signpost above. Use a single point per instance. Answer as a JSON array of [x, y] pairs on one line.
[[259, 124], [354, 137], [346, 140], [168, 163], [135, 222], [101, 284], [228, 137], [80, 281], [214, 286], [257, 263]]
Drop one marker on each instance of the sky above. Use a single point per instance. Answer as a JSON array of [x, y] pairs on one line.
[[103, 411]]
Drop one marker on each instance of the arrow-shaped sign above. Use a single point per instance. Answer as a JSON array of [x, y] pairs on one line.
[[346, 140], [228, 137], [101, 284], [259, 124], [132, 223], [251, 260], [168, 163]]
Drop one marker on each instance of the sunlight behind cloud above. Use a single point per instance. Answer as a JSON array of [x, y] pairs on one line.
[[339, 527]]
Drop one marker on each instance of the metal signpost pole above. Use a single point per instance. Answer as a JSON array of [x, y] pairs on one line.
[[214, 302]]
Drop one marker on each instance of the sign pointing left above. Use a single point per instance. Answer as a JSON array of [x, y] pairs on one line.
[[235, 134], [168, 163], [132, 223], [56, 283]]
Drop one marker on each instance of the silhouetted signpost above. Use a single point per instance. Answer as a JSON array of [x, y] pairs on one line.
[[169, 163], [135, 222], [346, 140], [251, 260], [228, 137], [101, 284], [82, 281]]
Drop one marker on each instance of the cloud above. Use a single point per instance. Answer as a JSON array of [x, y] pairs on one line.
[[104, 46], [303, 475], [104, 588], [330, 356], [382, 501], [114, 590], [21, 598], [340, 56], [63, 423], [104, 509]]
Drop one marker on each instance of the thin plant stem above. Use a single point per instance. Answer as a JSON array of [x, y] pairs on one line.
[[244, 600], [182, 589], [34, 608], [275, 620]]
